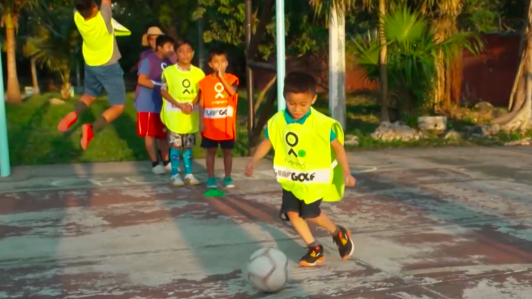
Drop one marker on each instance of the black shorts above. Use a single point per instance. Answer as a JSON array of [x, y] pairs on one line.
[[293, 204], [224, 144]]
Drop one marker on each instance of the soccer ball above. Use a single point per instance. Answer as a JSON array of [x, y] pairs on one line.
[[268, 270]]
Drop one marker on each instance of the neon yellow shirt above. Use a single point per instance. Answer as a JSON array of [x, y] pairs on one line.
[[183, 87]]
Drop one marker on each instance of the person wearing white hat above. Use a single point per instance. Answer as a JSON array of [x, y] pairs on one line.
[[148, 40]]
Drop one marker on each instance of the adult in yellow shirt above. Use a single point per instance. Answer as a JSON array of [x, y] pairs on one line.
[[102, 70]]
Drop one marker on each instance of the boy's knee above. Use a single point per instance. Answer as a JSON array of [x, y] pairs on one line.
[[227, 152], [119, 108], [293, 215]]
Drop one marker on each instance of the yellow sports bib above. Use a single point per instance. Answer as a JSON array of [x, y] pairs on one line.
[[97, 41], [304, 161], [183, 87]]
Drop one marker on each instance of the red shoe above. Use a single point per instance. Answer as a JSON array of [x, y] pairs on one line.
[[67, 121], [86, 135]]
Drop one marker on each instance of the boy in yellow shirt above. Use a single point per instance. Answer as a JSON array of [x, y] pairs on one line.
[[179, 88], [310, 164]]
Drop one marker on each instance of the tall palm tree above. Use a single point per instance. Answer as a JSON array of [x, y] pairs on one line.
[[10, 15], [56, 44]]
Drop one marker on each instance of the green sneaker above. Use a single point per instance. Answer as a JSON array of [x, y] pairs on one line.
[[228, 182], [211, 183]]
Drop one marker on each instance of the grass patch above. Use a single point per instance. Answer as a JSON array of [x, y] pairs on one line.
[[34, 139]]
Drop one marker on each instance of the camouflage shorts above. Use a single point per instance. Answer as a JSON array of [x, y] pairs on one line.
[[181, 140]]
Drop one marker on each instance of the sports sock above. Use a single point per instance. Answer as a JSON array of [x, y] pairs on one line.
[[153, 164], [187, 161], [313, 245], [174, 159], [99, 124], [336, 232], [79, 107]]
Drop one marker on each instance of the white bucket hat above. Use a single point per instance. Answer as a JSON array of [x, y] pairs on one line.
[[151, 31]]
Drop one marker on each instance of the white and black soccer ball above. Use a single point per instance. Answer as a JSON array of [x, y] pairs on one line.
[[268, 270]]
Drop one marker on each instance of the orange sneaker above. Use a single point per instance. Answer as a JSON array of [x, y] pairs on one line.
[[313, 257], [86, 135], [67, 121]]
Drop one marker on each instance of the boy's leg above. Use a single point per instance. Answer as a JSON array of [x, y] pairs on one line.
[[146, 130], [210, 147], [188, 141], [227, 148], [93, 88], [174, 141], [111, 78], [341, 236], [292, 206]]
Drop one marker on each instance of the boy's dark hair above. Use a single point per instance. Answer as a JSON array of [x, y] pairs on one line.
[[163, 40], [181, 42], [300, 82], [216, 52], [85, 7]]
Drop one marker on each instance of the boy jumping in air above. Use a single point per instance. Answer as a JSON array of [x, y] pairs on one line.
[[102, 70], [218, 101], [310, 164], [179, 88], [148, 102]]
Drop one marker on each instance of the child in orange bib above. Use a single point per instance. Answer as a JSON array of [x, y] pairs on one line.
[[218, 101]]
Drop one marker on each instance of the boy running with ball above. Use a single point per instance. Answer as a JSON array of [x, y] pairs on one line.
[[179, 88], [310, 164]]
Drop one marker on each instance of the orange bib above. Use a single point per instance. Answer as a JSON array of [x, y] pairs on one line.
[[219, 108]]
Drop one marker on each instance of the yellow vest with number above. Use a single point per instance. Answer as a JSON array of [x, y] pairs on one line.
[[183, 87], [305, 163], [97, 41]]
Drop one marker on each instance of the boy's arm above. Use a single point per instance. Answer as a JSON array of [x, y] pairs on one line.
[[231, 89], [166, 95], [262, 150], [107, 14], [341, 156], [144, 70]]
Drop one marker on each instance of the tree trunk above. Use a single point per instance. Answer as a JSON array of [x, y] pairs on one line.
[[66, 87], [263, 93], [382, 64], [337, 103], [13, 87], [519, 117], [34, 79]]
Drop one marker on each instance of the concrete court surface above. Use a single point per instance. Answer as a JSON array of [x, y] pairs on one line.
[[428, 224]]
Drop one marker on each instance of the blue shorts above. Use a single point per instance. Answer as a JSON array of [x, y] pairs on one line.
[[108, 77]]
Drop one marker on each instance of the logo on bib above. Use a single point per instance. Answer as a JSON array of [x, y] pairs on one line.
[[186, 84], [218, 112], [219, 88], [293, 140], [297, 177]]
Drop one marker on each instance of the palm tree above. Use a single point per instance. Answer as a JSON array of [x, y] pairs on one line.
[[444, 15], [413, 52], [56, 44], [519, 117], [10, 14]]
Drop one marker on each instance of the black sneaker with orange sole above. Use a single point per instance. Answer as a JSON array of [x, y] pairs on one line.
[[313, 257], [344, 242]]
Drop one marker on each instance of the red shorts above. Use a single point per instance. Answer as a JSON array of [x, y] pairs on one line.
[[150, 124]]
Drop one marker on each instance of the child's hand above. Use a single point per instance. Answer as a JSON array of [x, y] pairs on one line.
[[187, 108], [249, 169], [349, 180]]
